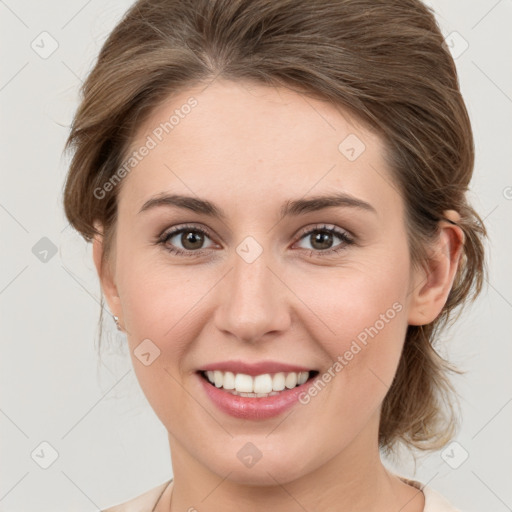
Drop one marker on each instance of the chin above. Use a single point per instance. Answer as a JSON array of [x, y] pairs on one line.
[[245, 464]]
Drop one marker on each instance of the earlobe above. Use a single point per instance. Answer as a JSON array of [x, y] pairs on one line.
[[432, 286]]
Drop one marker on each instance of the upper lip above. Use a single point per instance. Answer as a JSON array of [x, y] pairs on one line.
[[253, 369]]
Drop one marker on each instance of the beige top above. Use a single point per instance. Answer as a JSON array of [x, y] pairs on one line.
[[434, 502]]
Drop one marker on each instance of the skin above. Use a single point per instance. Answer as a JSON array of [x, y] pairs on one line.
[[249, 148]]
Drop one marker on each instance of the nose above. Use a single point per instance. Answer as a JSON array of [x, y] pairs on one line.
[[253, 301]]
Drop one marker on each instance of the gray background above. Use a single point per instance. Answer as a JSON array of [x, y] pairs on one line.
[[110, 444]]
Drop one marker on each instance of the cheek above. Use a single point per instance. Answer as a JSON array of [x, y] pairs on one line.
[[163, 305], [160, 302], [358, 316], [360, 302], [355, 312], [169, 306], [354, 304]]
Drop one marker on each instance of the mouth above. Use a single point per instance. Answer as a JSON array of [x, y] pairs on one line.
[[258, 386], [255, 390]]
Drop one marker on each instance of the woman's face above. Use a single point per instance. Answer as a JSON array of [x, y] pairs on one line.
[[259, 286]]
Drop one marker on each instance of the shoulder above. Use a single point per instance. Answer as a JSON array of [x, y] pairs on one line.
[[434, 502], [142, 503]]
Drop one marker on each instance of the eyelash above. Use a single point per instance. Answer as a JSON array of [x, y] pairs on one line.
[[346, 239]]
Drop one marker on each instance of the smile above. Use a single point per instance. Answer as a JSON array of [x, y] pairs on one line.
[[254, 395], [259, 386]]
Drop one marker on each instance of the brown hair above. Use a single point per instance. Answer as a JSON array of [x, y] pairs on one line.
[[384, 61]]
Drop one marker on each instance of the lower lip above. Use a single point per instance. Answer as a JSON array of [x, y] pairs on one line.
[[253, 408]]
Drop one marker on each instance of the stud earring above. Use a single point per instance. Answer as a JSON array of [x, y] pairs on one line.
[[116, 320]]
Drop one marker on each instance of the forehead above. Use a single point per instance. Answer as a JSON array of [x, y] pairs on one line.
[[264, 143]]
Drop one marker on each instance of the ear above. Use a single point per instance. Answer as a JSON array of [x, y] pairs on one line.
[[105, 274], [432, 286]]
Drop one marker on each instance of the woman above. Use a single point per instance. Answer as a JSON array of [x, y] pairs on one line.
[[275, 193]]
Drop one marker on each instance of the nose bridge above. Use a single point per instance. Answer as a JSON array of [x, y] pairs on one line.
[[254, 301]]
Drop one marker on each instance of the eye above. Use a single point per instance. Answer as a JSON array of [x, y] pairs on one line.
[[321, 239], [190, 237]]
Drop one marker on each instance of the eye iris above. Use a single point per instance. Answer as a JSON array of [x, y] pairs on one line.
[[192, 237], [324, 238]]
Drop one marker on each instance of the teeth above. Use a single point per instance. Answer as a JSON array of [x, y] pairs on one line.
[[244, 383], [278, 381], [263, 383], [258, 386], [302, 377], [218, 378], [291, 380], [229, 380]]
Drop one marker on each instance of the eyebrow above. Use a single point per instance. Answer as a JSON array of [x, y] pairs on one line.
[[289, 208]]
